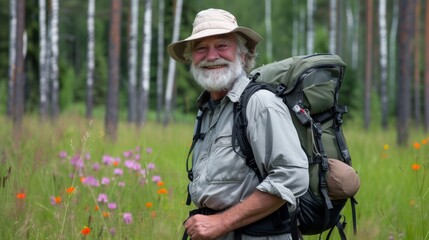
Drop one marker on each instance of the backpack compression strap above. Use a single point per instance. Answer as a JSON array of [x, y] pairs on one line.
[[240, 125]]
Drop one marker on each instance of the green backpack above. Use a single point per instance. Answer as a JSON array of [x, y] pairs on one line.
[[309, 86]]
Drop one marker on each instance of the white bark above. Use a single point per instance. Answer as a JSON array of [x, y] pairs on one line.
[[147, 38], [44, 85], [268, 28], [310, 27], [91, 60], [172, 64], [12, 54], [54, 58], [332, 26], [392, 50], [132, 62], [160, 67], [383, 59]]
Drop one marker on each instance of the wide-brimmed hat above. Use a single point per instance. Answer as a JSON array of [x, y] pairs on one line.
[[212, 22]]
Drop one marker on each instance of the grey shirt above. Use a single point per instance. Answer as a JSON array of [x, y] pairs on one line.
[[221, 176]]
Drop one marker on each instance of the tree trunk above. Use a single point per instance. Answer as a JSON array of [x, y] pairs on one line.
[[132, 62], [12, 57], [368, 69], [310, 27], [383, 63], [295, 33], [417, 49], [426, 90], [18, 101], [268, 28], [145, 82], [392, 53], [160, 67], [332, 25], [172, 64], [91, 60], [405, 43], [54, 60], [111, 120]]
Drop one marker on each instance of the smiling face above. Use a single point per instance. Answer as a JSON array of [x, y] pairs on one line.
[[216, 62]]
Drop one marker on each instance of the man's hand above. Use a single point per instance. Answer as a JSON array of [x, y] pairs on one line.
[[205, 227]]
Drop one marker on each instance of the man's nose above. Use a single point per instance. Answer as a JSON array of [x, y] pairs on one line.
[[212, 54]]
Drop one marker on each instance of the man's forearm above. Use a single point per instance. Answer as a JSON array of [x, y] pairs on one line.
[[255, 207]]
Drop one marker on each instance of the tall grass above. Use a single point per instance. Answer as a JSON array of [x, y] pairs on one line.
[[44, 196]]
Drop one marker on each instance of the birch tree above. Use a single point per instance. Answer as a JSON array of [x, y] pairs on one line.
[[310, 27], [145, 81], [132, 62], [53, 61], [111, 120], [268, 28], [12, 56], [18, 86], [405, 43], [90, 59], [160, 62], [172, 64], [426, 88], [43, 73], [332, 25], [383, 62], [392, 51]]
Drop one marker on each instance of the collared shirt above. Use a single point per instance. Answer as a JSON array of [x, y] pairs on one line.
[[221, 177]]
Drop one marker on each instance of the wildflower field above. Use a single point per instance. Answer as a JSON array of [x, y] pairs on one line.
[[63, 180]]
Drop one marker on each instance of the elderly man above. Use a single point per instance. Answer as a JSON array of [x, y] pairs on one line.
[[232, 202]]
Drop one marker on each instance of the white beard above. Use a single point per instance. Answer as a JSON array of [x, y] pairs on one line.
[[220, 79]]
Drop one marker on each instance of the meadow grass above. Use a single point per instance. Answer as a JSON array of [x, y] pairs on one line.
[[46, 192]]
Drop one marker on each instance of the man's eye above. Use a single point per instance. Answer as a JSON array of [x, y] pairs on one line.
[[200, 49]]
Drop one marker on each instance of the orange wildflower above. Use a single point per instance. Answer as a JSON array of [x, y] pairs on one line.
[[162, 191], [424, 141], [106, 214], [416, 145], [160, 183], [70, 189], [20, 195], [82, 179], [58, 200], [85, 231], [115, 163], [153, 214], [415, 166], [149, 205], [386, 146], [96, 208]]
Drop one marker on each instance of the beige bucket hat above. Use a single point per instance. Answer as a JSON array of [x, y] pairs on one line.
[[212, 22]]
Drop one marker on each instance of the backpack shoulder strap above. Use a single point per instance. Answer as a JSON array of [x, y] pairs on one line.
[[239, 128]]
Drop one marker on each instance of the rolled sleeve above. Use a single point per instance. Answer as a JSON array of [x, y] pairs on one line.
[[277, 149]]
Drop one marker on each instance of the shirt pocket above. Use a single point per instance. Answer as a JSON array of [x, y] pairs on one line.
[[225, 165]]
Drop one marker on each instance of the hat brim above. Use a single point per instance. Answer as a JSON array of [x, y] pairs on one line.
[[177, 49]]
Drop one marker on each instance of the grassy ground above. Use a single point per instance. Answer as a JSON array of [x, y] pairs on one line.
[[48, 188]]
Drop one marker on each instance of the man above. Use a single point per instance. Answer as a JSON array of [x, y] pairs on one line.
[[226, 191]]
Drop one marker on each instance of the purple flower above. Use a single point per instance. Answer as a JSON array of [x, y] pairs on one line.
[[150, 166], [156, 178], [53, 202], [111, 205], [118, 171], [148, 150], [105, 181], [143, 172], [112, 231], [121, 184], [137, 156], [91, 181], [102, 197], [127, 154], [128, 218], [63, 154], [87, 156], [76, 161], [107, 160], [96, 167]]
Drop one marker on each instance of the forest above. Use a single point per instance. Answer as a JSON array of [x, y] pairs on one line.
[[108, 58]]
